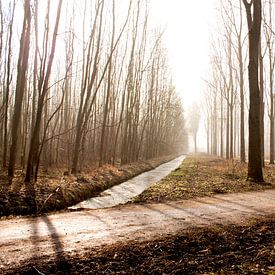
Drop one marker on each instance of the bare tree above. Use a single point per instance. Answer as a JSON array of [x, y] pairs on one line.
[[254, 15], [33, 157], [8, 83], [238, 29], [90, 83], [108, 91], [107, 98], [22, 68], [270, 42], [194, 121]]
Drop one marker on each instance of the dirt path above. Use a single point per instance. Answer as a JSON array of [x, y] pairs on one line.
[[54, 236]]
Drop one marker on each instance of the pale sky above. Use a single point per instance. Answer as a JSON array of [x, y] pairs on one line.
[[188, 26]]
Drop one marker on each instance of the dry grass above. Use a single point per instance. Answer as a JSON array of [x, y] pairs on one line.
[[56, 191], [204, 175]]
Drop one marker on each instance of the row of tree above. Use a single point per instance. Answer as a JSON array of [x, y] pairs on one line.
[[240, 88], [88, 84]]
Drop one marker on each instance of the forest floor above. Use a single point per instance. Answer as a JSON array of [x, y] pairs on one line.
[[195, 221], [203, 175]]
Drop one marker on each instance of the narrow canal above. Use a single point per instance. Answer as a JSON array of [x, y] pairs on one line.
[[125, 191]]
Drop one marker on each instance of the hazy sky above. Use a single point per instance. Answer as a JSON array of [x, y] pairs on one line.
[[188, 25]]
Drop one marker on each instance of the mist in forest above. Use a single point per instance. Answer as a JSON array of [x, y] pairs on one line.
[[87, 83]]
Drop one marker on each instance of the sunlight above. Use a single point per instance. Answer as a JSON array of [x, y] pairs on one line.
[[160, 111], [187, 35]]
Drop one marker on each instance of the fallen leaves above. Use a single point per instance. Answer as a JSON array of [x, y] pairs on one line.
[[245, 249], [204, 175], [71, 189]]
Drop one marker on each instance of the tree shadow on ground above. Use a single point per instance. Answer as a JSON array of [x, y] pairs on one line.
[[58, 248], [4, 195]]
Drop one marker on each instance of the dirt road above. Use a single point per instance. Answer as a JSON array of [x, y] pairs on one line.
[[57, 235]]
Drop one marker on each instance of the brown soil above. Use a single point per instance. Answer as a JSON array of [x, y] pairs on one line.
[[246, 249], [210, 233], [56, 191], [204, 175]]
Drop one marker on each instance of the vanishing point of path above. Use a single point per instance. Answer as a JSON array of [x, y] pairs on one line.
[[53, 236]]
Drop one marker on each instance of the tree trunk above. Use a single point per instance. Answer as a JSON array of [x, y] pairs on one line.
[[271, 116], [7, 93], [242, 143], [261, 101], [33, 158], [255, 172], [108, 92], [22, 68]]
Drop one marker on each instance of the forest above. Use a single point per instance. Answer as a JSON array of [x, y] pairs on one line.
[[230, 102], [84, 86], [108, 166]]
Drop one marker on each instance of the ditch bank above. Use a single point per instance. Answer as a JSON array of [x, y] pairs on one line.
[[52, 193], [126, 191]]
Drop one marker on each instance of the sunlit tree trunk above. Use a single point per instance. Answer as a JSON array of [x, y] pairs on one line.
[[221, 129]]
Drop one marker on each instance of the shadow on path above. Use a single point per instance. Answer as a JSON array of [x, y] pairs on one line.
[[57, 245]]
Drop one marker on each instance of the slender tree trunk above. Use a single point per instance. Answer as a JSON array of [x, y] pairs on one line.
[[221, 130], [215, 138], [271, 58], [108, 92], [271, 115], [261, 67], [22, 68], [7, 93], [227, 129], [242, 140], [33, 158], [231, 132]]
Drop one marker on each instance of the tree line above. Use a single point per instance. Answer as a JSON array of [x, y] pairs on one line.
[[84, 83], [239, 94]]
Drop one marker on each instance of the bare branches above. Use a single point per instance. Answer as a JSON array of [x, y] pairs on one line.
[[116, 102]]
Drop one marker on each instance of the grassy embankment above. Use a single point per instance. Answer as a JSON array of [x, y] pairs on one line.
[[54, 191], [203, 175]]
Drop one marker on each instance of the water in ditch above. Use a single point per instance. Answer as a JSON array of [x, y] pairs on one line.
[[125, 191]]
